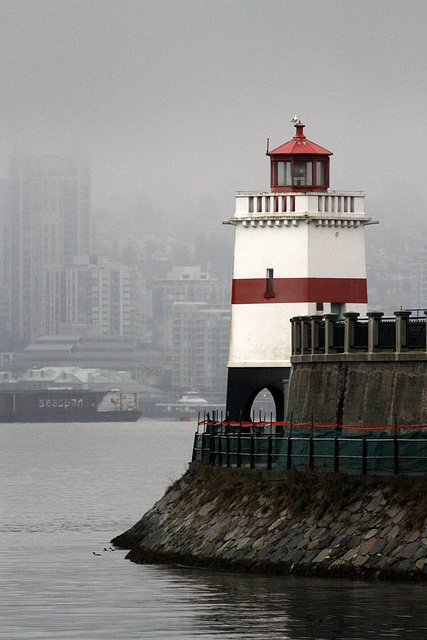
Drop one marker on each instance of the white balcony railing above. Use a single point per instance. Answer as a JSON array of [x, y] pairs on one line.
[[333, 203]]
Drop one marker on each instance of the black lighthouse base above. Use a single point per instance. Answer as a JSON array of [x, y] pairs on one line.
[[244, 384]]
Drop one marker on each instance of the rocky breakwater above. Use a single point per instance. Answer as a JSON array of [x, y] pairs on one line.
[[299, 522]]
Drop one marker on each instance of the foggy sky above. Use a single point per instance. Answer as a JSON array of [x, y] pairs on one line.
[[174, 99]]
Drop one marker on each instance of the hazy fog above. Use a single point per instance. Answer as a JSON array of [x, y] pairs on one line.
[[174, 99]]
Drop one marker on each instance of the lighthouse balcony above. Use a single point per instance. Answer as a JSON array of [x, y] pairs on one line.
[[334, 204]]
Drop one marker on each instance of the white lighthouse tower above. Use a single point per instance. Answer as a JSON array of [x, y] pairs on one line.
[[299, 250]]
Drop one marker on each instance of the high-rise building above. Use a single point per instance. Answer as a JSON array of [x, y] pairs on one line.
[[419, 279], [182, 284], [200, 347], [97, 294], [47, 223]]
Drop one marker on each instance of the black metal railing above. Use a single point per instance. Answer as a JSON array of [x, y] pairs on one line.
[[364, 455], [374, 334]]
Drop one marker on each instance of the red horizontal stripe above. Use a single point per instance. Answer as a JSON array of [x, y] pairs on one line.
[[252, 290]]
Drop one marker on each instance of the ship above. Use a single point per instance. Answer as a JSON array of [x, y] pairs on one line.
[[77, 395], [187, 408]]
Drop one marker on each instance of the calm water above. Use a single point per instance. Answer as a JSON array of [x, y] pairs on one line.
[[67, 489]]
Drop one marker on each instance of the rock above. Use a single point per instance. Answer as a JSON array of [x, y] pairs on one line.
[[378, 547], [313, 545], [366, 546], [399, 516], [322, 556], [258, 543], [411, 537], [371, 533], [409, 550], [359, 561]]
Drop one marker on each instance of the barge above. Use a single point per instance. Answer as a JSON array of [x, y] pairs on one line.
[[63, 405]]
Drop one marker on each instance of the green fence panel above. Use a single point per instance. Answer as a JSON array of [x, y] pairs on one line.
[[300, 452], [412, 456], [279, 452], [260, 452], [245, 451], [324, 454], [379, 456], [373, 452]]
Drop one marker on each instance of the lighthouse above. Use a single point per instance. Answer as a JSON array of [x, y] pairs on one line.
[[299, 250]]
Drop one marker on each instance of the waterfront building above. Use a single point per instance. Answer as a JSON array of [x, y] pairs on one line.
[[120, 353], [299, 250]]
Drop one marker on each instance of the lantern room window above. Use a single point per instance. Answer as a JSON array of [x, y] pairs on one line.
[[284, 173], [303, 173], [300, 173], [321, 173]]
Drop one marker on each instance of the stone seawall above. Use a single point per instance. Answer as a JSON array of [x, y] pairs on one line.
[[359, 393], [298, 522]]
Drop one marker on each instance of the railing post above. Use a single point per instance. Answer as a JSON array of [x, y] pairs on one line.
[[374, 319], [269, 453], [296, 335], [401, 330], [396, 455], [228, 449], [396, 447], [212, 450], [336, 455], [203, 446], [252, 457], [330, 318], [304, 334], [219, 451], [194, 448], [315, 325], [289, 454], [364, 457], [310, 453], [239, 451], [350, 319]]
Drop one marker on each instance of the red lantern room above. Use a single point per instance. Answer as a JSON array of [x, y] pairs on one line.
[[299, 165]]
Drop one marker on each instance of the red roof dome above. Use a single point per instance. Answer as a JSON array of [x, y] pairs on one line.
[[300, 145]]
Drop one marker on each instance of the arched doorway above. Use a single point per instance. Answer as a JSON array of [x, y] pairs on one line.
[[245, 383], [263, 406]]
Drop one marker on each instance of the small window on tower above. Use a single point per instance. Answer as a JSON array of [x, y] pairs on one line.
[[319, 306], [269, 284]]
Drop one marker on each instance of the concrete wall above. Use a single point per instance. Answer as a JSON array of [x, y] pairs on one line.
[[359, 393]]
